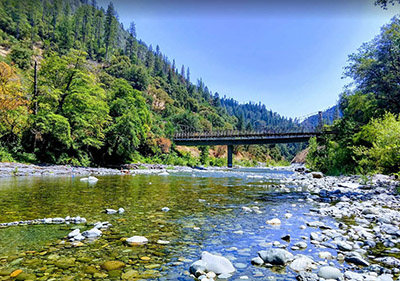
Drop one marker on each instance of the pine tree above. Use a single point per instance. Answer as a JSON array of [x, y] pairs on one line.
[[110, 30]]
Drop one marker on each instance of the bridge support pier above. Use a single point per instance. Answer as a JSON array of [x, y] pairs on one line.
[[230, 152]]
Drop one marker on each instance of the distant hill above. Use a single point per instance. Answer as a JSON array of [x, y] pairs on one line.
[[328, 116]]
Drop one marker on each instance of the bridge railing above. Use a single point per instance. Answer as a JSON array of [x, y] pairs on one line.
[[240, 134]]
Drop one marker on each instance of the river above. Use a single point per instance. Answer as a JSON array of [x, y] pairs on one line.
[[218, 211]]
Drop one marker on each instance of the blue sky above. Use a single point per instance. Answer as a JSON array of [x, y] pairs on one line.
[[287, 55]]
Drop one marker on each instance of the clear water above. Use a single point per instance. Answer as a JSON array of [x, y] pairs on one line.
[[218, 224]]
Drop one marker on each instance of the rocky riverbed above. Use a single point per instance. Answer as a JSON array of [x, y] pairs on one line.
[[268, 224], [366, 237]]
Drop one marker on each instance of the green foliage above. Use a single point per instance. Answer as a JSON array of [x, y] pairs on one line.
[[21, 55], [5, 156], [383, 153]]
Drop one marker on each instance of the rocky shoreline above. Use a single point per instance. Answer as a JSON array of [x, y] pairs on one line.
[[365, 238], [366, 235], [19, 170]]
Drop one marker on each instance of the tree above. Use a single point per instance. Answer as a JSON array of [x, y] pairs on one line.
[[130, 124], [14, 105], [21, 55], [110, 29]]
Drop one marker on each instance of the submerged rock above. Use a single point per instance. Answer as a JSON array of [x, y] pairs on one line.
[[112, 265], [89, 179], [137, 240]]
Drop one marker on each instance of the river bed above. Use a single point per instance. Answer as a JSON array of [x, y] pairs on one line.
[[190, 211]]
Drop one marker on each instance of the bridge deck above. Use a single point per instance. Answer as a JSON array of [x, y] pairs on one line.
[[238, 138]]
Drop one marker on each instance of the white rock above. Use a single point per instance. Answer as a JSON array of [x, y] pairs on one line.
[[274, 221], [74, 233], [111, 211], [121, 210], [325, 255], [137, 240], [79, 237], [92, 233], [217, 264], [302, 264], [163, 242], [165, 209], [288, 215], [165, 173]]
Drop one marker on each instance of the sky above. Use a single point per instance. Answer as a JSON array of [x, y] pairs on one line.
[[287, 54]]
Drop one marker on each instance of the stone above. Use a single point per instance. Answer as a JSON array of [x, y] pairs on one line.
[[129, 275], [92, 233], [163, 242], [329, 272], [302, 263], [74, 233], [111, 211], [390, 261], [137, 240], [354, 276], [383, 277], [357, 260], [307, 276], [286, 237], [15, 273], [199, 265], [165, 209], [301, 245], [257, 261], [274, 221], [325, 255], [121, 210], [343, 246], [317, 175], [217, 264], [112, 265], [276, 256], [65, 263]]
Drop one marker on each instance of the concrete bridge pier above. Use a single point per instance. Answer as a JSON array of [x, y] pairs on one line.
[[230, 152]]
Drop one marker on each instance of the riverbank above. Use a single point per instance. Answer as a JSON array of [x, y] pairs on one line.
[[18, 169]]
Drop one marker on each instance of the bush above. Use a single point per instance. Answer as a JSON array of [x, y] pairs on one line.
[[383, 155], [21, 56]]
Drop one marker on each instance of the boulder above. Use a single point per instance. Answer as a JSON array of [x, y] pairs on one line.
[[217, 264], [302, 263], [276, 256], [199, 265], [329, 272]]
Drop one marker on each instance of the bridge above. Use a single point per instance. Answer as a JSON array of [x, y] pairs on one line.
[[231, 138]]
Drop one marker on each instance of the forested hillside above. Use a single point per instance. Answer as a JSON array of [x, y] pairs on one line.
[[78, 87]]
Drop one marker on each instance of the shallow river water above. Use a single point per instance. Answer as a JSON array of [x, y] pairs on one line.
[[205, 215]]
